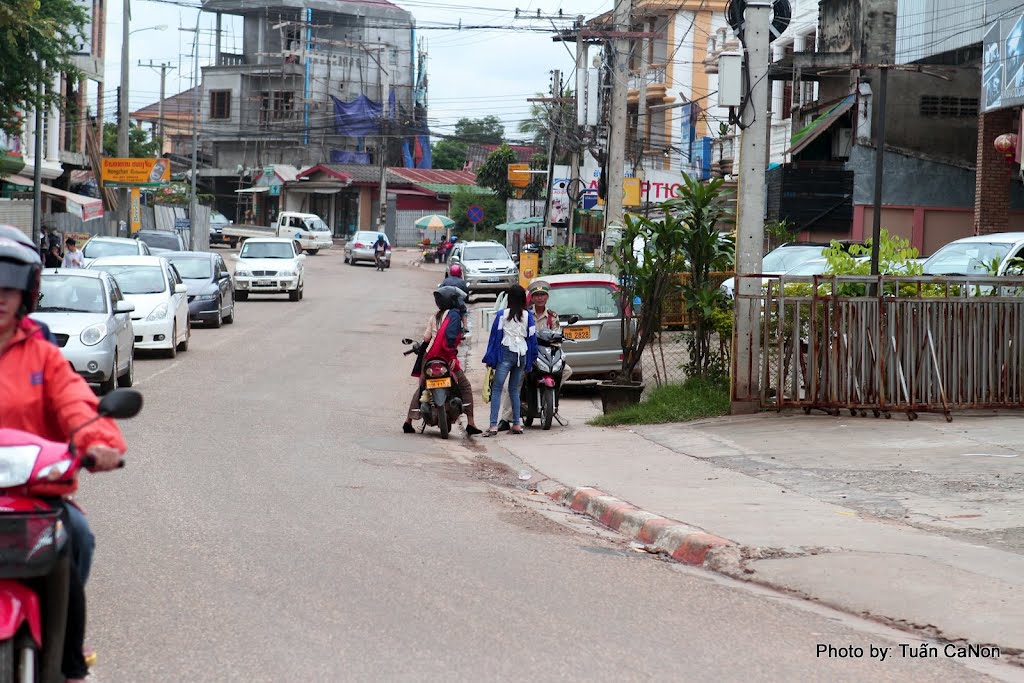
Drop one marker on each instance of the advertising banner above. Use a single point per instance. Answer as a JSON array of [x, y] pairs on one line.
[[135, 172], [1002, 73]]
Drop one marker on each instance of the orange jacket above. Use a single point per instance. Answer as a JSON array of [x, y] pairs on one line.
[[41, 393]]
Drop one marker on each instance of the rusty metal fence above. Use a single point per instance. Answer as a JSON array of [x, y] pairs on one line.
[[890, 344]]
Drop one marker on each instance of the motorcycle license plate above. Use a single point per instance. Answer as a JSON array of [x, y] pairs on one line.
[[442, 383], [264, 283], [576, 333]]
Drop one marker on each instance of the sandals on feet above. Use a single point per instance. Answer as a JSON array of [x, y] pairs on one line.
[[493, 431]]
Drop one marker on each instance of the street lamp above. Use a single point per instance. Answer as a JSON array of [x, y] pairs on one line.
[[161, 27]]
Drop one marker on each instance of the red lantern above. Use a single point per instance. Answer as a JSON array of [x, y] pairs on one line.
[[1006, 144]]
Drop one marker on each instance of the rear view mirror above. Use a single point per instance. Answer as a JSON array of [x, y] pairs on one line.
[[573, 319], [180, 289], [124, 307], [121, 403]]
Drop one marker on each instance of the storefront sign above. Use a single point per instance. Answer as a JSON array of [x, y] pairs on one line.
[[135, 172], [1002, 73], [528, 267], [136, 223]]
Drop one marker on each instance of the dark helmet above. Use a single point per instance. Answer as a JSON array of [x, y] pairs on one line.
[[455, 270], [20, 266], [447, 297]]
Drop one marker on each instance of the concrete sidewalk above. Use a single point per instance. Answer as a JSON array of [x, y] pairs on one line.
[[918, 524]]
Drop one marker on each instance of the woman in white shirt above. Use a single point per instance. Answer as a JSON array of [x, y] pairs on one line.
[[511, 351]]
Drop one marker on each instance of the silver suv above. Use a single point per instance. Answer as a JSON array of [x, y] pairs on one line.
[[486, 266]]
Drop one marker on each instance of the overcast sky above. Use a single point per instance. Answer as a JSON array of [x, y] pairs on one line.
[[472, 72]]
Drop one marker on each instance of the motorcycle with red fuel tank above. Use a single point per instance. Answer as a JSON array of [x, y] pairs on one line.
[[35, 561], [440, 398]]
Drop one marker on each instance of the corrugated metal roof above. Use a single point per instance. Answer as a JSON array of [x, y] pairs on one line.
[[432, 175], [451, 188]]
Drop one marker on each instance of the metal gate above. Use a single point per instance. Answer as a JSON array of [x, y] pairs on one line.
[[406, 232]]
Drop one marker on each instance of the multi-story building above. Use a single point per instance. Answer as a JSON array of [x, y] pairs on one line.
[[315, 81], [69, 138]]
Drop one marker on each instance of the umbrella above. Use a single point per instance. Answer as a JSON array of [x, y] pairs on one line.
[[435, 222], [530, 222]]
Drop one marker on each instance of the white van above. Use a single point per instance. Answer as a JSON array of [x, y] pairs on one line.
[[307, 228]]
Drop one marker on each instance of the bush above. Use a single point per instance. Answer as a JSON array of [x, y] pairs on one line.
[[564, 260], [694, 399]]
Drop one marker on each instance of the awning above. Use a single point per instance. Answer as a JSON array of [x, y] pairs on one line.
[[86, 208], [809, 133], [252, 189]]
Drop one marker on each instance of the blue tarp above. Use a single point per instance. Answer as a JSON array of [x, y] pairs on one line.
[[361, 116], [343, 156]]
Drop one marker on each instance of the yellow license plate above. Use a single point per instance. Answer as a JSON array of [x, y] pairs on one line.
[[442, 383], [576, 333]]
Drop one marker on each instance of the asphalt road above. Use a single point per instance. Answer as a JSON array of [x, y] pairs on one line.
[[273, 524]]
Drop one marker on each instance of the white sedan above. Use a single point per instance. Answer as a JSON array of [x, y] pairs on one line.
[[153, 285], [269, 265]]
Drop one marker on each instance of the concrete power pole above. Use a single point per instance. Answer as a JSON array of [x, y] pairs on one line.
[[746, 380], [554, 124], [164, 68], [581, 120], [382, 210], [617, 115], [124, 210]]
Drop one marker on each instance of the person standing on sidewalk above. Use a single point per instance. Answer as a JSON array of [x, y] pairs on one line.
[[72, 257], [511, 349], [547, 319]]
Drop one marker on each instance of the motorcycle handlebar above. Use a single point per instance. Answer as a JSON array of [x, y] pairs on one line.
[[88, 462]]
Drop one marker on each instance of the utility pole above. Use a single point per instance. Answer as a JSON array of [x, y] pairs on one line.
[[876, 217], [554, 123], [574, 161], [193, 204], [617, 115], [746, 376], [382, 210], [37, 169], [164, 68], [125, 201], [641, 111]]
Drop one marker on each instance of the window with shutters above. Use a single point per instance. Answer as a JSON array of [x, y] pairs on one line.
[[220, 104]]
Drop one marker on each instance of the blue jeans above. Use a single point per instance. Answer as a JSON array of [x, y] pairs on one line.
[[510, 367], [83, 543]]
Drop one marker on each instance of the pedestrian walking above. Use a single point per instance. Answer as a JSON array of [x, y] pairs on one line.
[[511, 349], [54, 259], [72, 257]]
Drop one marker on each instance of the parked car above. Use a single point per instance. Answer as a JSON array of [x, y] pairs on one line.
[[151, 283], [360, 248], [486, 266], [91, 319], [269, 265], [596, 349], [782, 259], [211, 293], [99, 247], [160, 241], [218, 222], [979, 255]]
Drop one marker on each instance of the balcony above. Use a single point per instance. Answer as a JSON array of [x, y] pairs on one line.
[[724, 153], [720, 41], [656, 82]]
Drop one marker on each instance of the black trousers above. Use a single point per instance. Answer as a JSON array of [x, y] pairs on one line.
[[73, 662]]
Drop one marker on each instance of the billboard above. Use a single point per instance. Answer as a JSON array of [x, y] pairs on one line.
[[135, 172], [1002, 75]]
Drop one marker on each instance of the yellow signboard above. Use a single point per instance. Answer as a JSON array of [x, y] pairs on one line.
[[529, 264], [135, 172], [136, 210], [518, 175], [631, 192]]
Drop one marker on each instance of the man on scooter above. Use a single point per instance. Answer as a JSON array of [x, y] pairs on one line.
[[441, 339], [40, 393], [539, 291], [454, 279]]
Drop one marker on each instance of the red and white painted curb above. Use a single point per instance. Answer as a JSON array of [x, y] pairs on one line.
[[686, 544]]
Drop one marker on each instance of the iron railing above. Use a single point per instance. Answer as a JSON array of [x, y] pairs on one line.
[[889, 343]]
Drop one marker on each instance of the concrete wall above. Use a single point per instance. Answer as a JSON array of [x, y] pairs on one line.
[[947, 136], [910, 181]]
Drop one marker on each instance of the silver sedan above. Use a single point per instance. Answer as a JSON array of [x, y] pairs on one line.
[[86, 312]]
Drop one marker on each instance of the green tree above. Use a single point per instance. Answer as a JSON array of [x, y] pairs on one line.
[[448, 154], [494, 211], [494, 172], [140, 144], [555, 118], [38, 39]]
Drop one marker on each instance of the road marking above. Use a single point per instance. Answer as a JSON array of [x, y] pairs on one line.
[[158, 373], [992, 455]]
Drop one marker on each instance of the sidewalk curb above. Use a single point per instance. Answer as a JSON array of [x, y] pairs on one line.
[[682, 543]]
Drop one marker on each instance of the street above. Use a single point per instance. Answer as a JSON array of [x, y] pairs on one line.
[[274, 524]]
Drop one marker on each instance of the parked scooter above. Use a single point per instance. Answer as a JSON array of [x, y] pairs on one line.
[[440, 397], [35, 562], [543, 384]]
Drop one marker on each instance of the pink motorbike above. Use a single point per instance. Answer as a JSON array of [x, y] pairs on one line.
[[34, 551]]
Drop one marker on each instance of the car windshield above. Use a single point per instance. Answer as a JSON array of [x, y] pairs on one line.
[[101, 248], [71, 294], [316, 225], [816, 266], [193, 268], [589, 302], [267, 250], [495, 253], [966, 258], [157, 241], [785, 259], [138, 279], [218, 218]]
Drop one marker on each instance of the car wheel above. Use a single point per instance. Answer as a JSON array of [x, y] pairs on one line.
[[240, 296], [109, 385], [302, 291], [219, 320], [183, 346], [230, 317], [293, 295], [128, 378], [312, 252], [352, 260], [173, 351]]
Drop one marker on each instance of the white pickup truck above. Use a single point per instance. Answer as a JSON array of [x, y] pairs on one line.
[[307, 228]]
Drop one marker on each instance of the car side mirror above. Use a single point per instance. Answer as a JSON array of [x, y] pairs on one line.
[[120, 403], [124, 307], [302, 257], [234, 257], [573, 319], [180, 289]]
